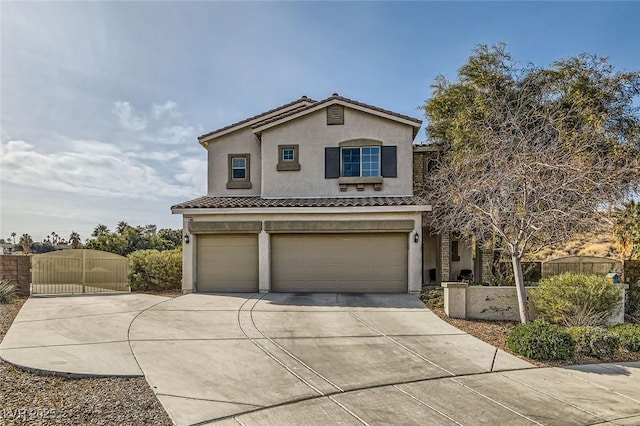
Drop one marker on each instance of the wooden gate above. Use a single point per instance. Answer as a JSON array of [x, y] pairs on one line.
[[79, 271]]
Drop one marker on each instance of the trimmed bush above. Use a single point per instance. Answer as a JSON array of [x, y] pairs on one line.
[[155, 270], [432, 296], [541, 340], [629, 336], [576, 300], [7, 291], [595, 341]]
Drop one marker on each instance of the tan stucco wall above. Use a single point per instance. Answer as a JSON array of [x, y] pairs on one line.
[[312, 134], [348, 214], [240, 142]]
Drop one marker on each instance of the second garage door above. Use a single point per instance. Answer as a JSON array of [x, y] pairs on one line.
[[343, 263], [227, 263]]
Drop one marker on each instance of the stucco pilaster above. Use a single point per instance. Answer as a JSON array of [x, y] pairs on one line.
[[264, 262], [188, 258], [415, 256]]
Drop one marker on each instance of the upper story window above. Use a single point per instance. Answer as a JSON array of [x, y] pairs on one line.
[[361, 162], [239, 168], [288, 154], [288, 158], [239, 171]]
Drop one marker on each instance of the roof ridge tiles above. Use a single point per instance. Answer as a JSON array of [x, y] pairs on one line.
[[332, 97], [246, 120]]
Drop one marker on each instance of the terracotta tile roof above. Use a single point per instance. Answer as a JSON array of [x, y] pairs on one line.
[[341, 98], [207, 202], [246, 120]]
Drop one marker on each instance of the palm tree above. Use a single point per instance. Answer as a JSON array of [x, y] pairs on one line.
[[121, 227], [54, 238], [100, 230], [25, 242], [13, 235], [74, 239], [626, 229]]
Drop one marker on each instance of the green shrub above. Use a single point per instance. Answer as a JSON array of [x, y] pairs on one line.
[[541, 340], [576, 300], [629, 336], [7, 291], [432, 296], [155, 270], [595, 341]]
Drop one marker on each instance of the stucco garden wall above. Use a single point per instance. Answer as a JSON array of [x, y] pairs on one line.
[[493, 303]]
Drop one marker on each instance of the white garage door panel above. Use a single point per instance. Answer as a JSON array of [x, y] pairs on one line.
[[227, 263], [345, 263]]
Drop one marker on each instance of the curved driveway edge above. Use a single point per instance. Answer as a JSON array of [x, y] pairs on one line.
[[604, 394], [78, 336], [211, 356]]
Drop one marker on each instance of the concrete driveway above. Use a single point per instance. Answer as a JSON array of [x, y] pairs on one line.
[[311, 359]]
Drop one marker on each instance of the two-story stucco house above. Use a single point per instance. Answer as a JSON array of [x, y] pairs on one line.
[[312, 196]]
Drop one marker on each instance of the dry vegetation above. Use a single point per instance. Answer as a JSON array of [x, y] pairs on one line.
[[601, 244]]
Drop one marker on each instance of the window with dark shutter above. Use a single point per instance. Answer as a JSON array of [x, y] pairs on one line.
[[332, 163], [335, 114], [389, 161]]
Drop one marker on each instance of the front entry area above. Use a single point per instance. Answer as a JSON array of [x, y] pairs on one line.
[[339, 263], [227, 263]]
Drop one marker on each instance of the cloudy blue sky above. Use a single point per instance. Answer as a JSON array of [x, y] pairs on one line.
[[101, 102]]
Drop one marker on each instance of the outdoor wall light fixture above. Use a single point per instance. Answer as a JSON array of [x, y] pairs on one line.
[[186, 239], [416, 237]]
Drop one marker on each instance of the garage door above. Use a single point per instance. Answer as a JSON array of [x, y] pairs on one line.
[[343, 263], [227, 263]]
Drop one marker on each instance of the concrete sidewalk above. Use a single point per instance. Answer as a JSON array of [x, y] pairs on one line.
[[311, 359]]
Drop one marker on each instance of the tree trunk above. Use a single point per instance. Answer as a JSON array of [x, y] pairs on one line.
[[522, 295]]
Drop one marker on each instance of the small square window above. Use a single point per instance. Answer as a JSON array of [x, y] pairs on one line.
[[288, 158], [288, 154]]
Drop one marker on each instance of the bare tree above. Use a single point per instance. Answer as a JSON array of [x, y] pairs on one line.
[[527, 159]]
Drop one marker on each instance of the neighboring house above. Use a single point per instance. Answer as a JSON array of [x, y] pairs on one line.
[[313, 196], [7, 248]]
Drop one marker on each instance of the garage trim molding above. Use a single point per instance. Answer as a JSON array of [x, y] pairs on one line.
[[238, 227], [332, 226]]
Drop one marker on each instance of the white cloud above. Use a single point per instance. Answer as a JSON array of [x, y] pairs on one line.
[[127, 117], [155, 155], [193, 172], [88, 171], [176, 134], [167, 108]]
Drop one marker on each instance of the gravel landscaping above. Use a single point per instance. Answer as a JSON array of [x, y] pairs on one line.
[[496, 332], [27, 398]]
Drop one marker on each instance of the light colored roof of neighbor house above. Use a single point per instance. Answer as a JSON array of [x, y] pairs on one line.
[[207, 202], [304, 101]]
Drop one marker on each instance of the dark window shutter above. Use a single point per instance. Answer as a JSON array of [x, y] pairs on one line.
[[332, 163], [389, 161]]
